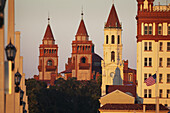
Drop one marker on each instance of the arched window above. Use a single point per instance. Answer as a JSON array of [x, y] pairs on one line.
[[77, 48], [83, 48], [83, 60], [113, 39], [113, 56], [107, 39], [130, 77], [50, 51], [49, 63], [44, 50], [118, 40]]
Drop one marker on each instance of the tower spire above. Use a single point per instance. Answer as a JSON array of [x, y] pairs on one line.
[[82, 13], [48, 18]]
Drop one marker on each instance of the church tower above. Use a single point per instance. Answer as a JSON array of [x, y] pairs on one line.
[[82, 54], [112, 49], [48, 59]]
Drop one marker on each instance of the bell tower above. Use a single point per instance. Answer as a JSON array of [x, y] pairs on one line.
[[48, 59], [112, 49], [82, 53]]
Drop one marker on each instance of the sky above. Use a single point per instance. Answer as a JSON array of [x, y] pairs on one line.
[[31, 20]]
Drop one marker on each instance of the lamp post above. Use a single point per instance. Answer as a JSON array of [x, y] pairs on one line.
[[10, 53], [17, 81], [21, 96]]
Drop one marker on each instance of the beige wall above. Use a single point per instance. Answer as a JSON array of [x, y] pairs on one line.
[[116, 97], [155, 54]]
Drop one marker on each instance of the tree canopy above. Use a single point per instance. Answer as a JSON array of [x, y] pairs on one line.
[[66, 96]]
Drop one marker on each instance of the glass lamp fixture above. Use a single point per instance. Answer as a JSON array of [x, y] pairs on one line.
[[17, 78], [10, 52]]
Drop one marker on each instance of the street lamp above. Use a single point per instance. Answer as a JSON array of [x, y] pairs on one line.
[[10, 51], [23, 103], [21, 96], [17, 81]]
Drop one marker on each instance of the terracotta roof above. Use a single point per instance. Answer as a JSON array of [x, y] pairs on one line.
[[82, 29], [125, 89], [48, 33], [113, 20], [131, 107]]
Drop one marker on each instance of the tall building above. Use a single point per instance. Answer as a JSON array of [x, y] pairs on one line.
[[112, 49], [48, 58], [153, 50], [84, 64]]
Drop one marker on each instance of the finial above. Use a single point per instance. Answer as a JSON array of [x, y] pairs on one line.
[[113, 2], [82, 13], [48, 18]]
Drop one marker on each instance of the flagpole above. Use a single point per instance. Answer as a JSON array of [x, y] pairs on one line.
[[157, 79]]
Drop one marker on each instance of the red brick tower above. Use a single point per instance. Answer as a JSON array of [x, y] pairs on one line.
[[48, 59], [82, 54]]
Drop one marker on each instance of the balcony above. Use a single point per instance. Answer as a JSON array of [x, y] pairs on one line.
[[51, 68], [84, 66]]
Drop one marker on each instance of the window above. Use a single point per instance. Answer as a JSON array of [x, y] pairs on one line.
[[83, 60], [150, 30], [145, 76], [77, 48], [160, 46], [49, 63], [168, 62], [168, 78], [130, 77], [113, 56], [146, 30], [160, 78], [160, 93], [44, 50], [160, 62], [168, 46], [150, 46], [145, 93], [150, 61], [50, 51], [168, 30], [145, 63], [107, 39], [113, 39], [118, 40], [159, 30], [150, 93], [145, 46], [168, 93], [150, 75]]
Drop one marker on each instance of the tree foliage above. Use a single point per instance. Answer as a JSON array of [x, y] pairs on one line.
[[67, 96]]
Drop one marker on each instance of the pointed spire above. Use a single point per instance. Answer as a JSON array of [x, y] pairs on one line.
[[48, 33], [82, 13], [113, 20], [48, 18], [82, 28]]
